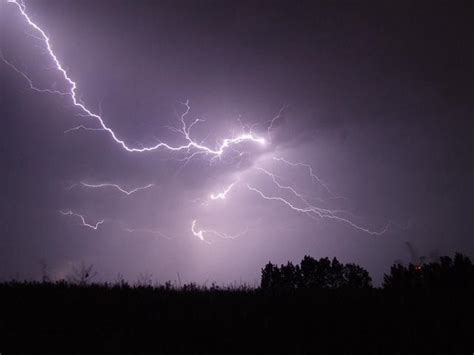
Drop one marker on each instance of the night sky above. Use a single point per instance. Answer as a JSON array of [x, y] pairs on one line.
[[375, 96]]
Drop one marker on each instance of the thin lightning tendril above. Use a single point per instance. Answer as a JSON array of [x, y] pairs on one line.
[[201, 232], [117, 187], [83, 219], [273, 120], [29, 80], [309, 209], [310, 171], [286, 187], [222, 195]]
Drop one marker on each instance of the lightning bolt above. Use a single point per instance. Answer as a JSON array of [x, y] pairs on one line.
[[197, 233], [309, 209], [272, 121], [83, 219], [29, 80], [222, 195], [185, 129], [309, 168], [312, 210], [117, 187], [200, 233], [191, 147]]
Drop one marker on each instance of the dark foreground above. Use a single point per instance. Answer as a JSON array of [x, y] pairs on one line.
[[68, 319]]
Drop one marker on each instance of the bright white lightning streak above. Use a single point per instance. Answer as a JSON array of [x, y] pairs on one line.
[[185, 129], [197, 233], [309, 209], [200, 233], [222, 195], [83, 219], [117, 187]]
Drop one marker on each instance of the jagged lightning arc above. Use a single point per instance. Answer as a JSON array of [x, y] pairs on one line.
[[197, 233], [117, 187], [201, 232], [185, 129], [309, 168], [83, 219], [222, 195], [309, 209]]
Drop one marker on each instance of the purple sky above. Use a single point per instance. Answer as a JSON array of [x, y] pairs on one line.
[[378, 100]]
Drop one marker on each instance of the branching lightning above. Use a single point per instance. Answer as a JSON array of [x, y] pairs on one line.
[[191, 147], [310, 172], [29, 80], [185, 129], [308, 208]]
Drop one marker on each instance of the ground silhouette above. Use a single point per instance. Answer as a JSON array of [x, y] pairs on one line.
[[317, 307]]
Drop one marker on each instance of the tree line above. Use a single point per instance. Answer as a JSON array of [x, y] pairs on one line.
[[457, 272]]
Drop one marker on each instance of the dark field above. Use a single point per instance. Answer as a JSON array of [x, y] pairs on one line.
[[60, 318]]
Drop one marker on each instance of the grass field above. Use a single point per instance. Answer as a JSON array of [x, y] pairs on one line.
[[62, 318]]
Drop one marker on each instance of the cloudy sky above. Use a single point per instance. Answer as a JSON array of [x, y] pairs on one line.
[[376, 98]]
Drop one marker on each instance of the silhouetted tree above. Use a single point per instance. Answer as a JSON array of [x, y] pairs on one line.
[[356, 277], [312, 273], [289, 276], [336, 275], [447, 273], [309, 272], [269, 276]]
